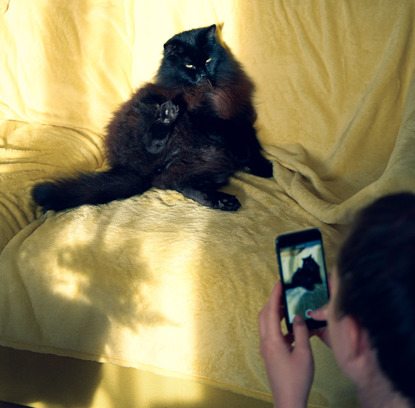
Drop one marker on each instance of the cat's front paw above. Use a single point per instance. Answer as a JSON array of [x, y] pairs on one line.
[[156, 146], [168, 112]]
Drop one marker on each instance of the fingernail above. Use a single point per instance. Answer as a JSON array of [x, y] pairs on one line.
[[321, 312]]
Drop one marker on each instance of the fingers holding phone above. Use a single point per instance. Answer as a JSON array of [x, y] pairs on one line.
[[300, 297], [290, 367]]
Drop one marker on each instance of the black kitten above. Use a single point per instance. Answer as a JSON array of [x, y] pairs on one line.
[[189, 130], [306, 276]]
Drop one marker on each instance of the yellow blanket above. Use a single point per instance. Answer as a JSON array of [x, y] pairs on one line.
[[156, 281]]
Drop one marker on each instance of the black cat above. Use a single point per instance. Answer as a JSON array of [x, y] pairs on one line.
[[306, 276], [189, 130]]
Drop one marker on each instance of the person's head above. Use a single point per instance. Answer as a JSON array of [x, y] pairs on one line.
[[375, 286]]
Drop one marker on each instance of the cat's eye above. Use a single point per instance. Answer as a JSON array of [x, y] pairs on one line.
[[190, 66], [208, 60]]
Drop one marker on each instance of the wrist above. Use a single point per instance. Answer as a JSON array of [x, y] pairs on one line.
[[290, 401], [289, 405]]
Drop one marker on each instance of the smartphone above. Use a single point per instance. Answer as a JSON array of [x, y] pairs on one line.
[[303, 275]]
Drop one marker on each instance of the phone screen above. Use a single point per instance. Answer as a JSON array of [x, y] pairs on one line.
[[303, 274]]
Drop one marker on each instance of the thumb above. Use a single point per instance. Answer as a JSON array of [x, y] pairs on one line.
[[320, 314]]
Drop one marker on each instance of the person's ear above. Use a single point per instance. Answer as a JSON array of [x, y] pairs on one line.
[[359, 354]]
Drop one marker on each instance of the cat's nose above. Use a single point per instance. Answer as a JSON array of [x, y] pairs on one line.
[[202, 77], [202, 74]]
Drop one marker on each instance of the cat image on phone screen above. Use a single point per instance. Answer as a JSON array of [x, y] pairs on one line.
[[303, 274], [307, 276]]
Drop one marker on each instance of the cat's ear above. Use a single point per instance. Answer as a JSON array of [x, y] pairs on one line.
[[172, 47], [210, 33]]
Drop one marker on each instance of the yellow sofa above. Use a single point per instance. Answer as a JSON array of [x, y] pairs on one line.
[[153, 301]]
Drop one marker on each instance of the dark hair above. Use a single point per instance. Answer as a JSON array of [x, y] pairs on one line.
[[376, 269]]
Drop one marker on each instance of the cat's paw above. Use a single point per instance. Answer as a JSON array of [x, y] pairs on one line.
[[226, 202], [156, 146], [168, 112]]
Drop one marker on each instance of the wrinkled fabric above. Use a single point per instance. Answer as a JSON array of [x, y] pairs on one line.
[[157, 281]]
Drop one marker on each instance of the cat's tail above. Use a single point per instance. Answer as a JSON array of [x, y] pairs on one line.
[[90, 188]]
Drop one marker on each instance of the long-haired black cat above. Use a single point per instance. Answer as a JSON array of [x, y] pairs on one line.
[[189, 130]]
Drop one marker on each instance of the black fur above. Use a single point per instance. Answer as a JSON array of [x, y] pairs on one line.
[[189, 130], [306, 276]]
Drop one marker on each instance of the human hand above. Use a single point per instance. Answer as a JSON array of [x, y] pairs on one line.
[[290, 368]]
